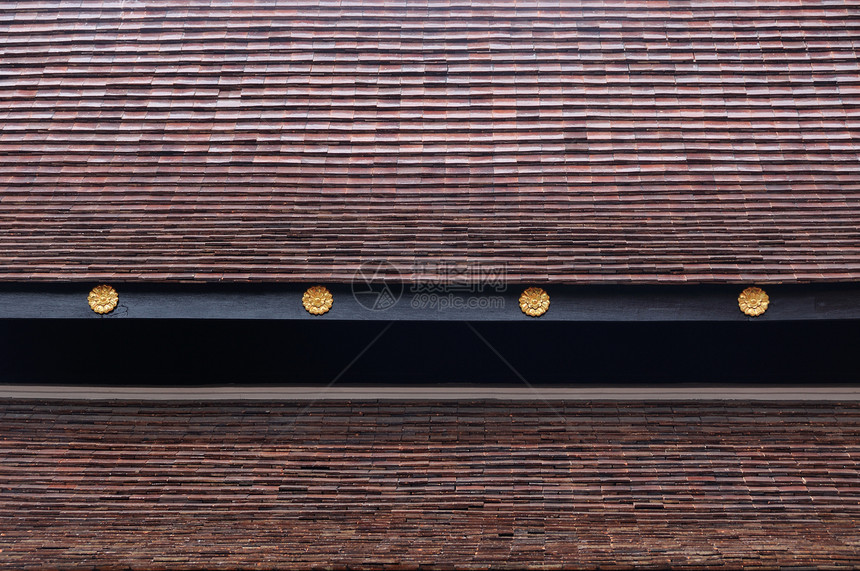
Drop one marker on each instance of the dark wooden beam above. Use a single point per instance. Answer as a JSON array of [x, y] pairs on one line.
[[568, 303]]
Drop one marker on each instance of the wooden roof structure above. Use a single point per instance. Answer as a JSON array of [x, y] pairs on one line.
[[640, 158]]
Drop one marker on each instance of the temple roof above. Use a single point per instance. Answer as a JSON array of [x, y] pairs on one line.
[[431, 485], [567, 142]]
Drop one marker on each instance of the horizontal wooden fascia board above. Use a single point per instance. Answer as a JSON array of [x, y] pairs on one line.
[[568, 303]]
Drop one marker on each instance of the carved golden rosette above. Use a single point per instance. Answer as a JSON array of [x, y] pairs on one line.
[[317, 300], [534, 301], [103, 299], [753, 301]]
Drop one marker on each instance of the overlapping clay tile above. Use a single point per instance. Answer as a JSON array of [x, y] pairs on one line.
[[578, 142], [409, 485]]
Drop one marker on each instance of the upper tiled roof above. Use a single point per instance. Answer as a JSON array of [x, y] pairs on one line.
[[430, 485], [571, 141]]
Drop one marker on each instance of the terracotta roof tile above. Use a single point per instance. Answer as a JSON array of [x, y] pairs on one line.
[[399, 485], [618, 141]]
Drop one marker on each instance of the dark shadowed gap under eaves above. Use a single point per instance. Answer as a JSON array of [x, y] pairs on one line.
[[283, 352]]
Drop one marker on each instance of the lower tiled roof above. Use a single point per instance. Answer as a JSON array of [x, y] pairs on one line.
[[471, 484]]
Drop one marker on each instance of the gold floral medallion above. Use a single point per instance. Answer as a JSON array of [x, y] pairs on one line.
[[534, 301], [753, 301], [317, 300], [103, 299]]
